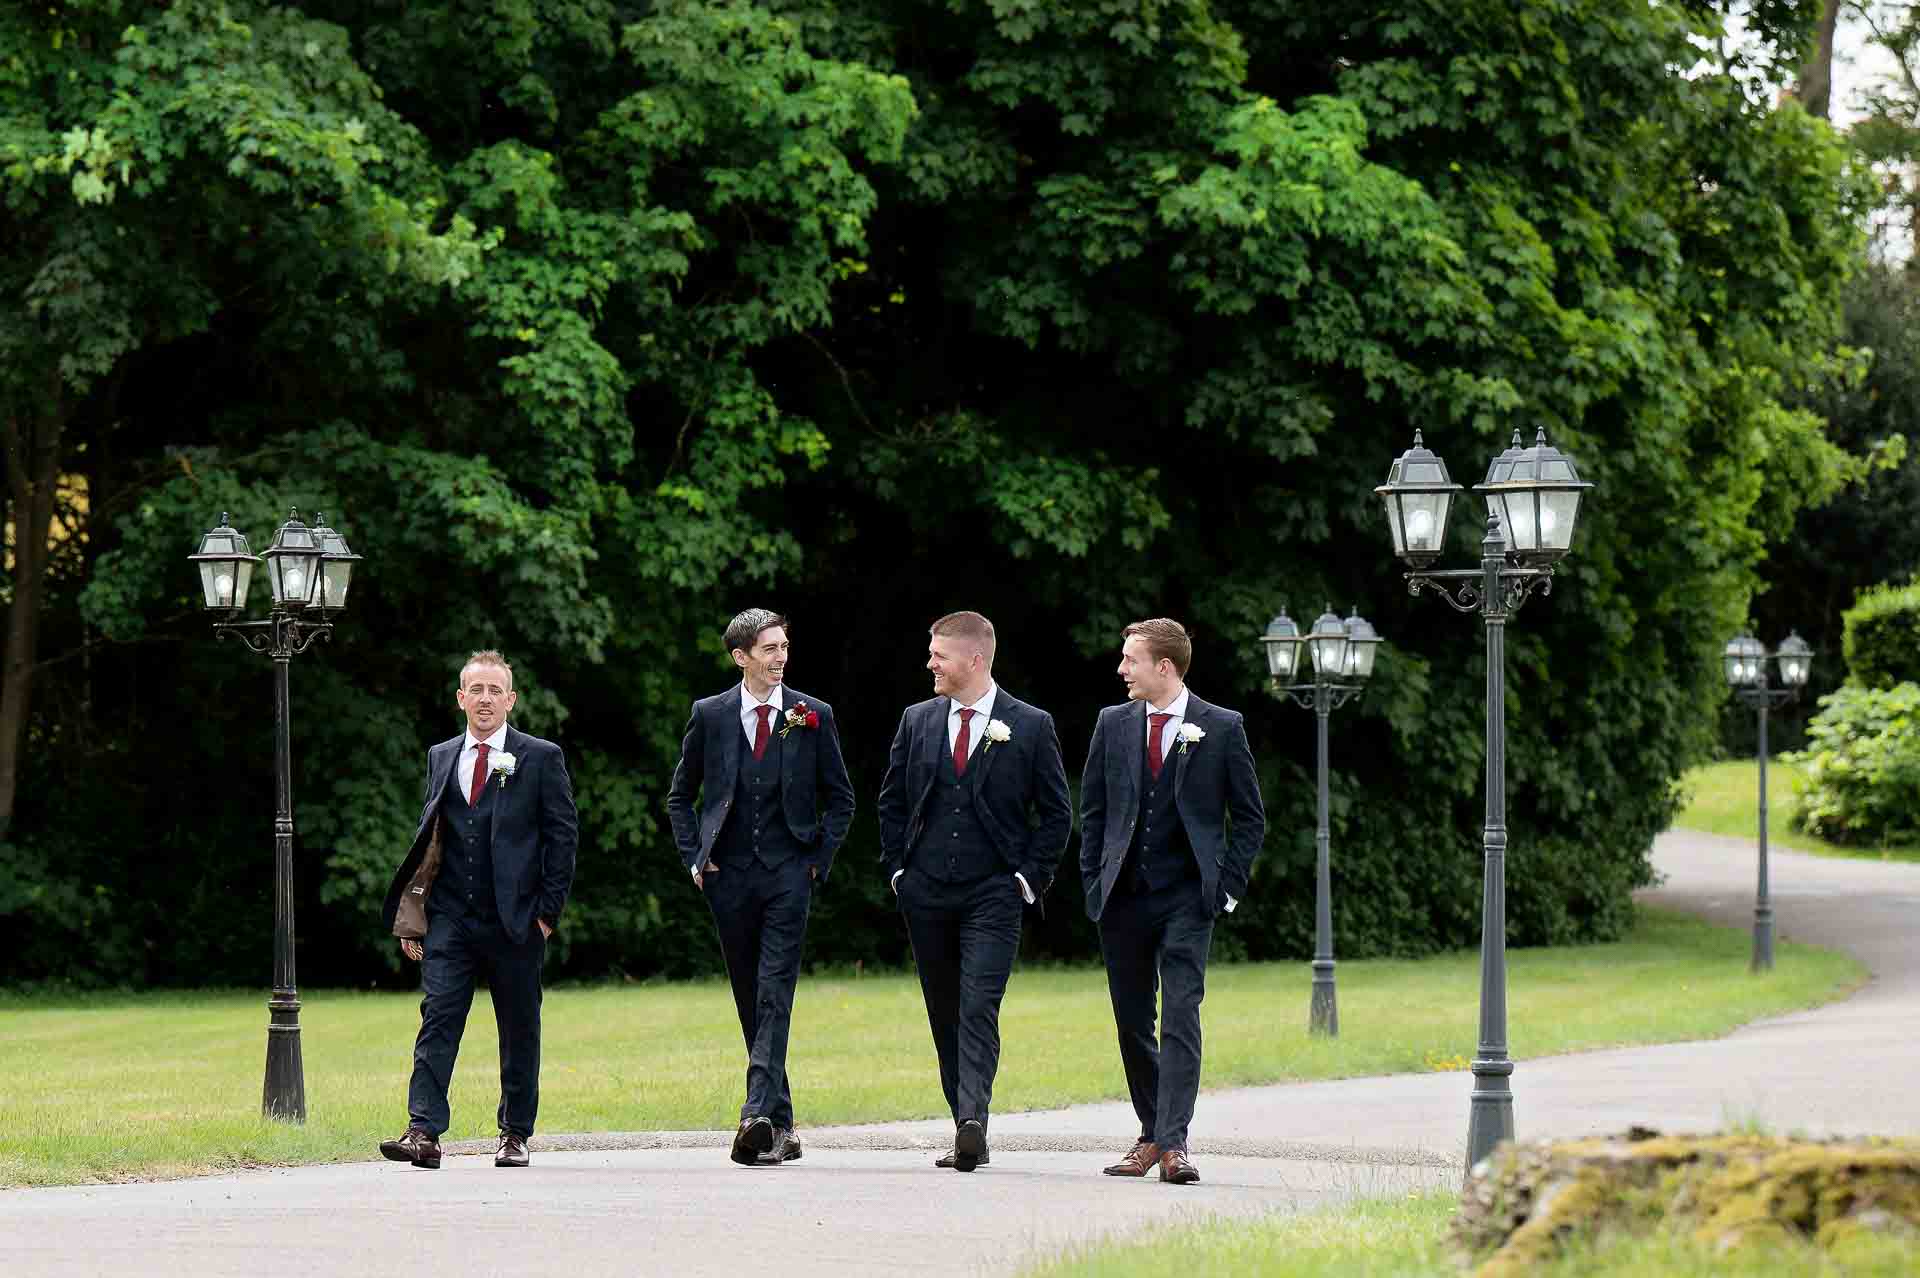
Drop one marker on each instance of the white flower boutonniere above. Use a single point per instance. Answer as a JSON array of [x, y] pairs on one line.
[[1190, 733], [997, 733], [504, 766]]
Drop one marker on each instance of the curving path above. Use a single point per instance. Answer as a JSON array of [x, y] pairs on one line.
[[866, 1201]]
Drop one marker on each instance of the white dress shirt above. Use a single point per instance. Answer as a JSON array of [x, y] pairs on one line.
[[750, 711], [1170, 737], [470, 754], [976, 735]]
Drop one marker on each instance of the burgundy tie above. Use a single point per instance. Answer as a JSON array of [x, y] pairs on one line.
[[960, 744], [760, 731], [479, 776], [1155, 722]]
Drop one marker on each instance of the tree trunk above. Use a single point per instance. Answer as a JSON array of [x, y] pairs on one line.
[[33, 470], [1815, 81]]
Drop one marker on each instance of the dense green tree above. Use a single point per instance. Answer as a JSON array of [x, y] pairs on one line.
[[590, 323]]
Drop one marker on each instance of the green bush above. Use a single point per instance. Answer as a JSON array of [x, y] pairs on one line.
[[1863, 767], [1882, 636]]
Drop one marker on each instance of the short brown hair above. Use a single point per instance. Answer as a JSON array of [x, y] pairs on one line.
[[746, 626], [1164, 637], [966, 625], [486, 657]]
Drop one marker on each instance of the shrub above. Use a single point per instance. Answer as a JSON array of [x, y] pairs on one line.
[[1881, 636], [1862, 767]]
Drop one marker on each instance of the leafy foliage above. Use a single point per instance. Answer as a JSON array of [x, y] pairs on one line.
[[1863, 767], [590, 323], [1883, 637]]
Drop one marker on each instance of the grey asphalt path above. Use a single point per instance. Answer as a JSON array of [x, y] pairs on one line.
[[1849, 1068], [866, 1201]]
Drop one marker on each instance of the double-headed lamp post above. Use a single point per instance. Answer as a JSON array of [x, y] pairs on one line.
[[1533, 498], [1341, 653], [308, 569], [1746, 661]]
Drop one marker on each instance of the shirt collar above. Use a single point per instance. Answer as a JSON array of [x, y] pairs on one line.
[[1177, 707], [493, 743], [748, 705], [983, 707]]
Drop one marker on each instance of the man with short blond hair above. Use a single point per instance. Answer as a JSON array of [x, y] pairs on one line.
[[974, 815], [1170, 822], [482, 887]]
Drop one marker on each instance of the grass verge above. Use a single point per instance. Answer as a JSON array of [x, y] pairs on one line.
[[1405, 1238], [1724, 798], [123, 1086]]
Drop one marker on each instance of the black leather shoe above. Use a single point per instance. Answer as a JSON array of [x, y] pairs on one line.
[[946, 1160], [418, 1146], [969, 1146], [754, 1138], [512, 1151], [786, 1148]]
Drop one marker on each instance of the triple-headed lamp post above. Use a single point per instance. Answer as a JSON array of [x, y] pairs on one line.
[[308, 570], [1533, 498], [1746, 659], [1341, 653]]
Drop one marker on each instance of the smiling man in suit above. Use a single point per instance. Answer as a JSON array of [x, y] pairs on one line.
[[1170, 822], [774, 804], [483, 885], [974, 815]]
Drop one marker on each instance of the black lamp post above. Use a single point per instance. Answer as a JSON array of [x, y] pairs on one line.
[[1533, 498], [1746, 660], [1342, 657], [308, 570]]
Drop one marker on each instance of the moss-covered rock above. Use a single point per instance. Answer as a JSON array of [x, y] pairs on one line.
[[1725, 1191]]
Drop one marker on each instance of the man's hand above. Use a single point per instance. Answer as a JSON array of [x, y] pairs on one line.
[[412, 948], [699, 878], [545, 930]]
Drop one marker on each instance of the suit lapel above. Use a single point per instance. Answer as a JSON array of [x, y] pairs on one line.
[[983, 757], [447, 769], [789, 744], [1133, 740], [730, 740], [1197, 716], [936, 730], [511, 744]]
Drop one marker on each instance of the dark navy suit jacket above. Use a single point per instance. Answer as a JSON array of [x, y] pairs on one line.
[[811, 770], [535, 831], [1214, 786], [1019, 796]]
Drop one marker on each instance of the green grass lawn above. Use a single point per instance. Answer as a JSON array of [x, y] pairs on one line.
[[1724, 798], [118, 1086], [1405, 1238]]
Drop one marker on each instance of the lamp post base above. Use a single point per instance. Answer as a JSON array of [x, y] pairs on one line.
[[1490, 1118], [1762, 941], [1324, 1016], [284, 1094]]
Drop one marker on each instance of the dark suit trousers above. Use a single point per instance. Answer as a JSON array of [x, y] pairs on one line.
[[460, 951], [1152, 940], [761, 916], [964, 938]]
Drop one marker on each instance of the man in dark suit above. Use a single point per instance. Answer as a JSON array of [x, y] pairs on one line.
[[492, 863], [1170, 822], [774, 804], [974, 815]]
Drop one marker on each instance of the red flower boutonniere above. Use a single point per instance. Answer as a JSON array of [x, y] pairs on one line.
[[799, 717]]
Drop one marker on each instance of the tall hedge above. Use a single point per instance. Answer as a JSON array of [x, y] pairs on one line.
[[1881, 636]]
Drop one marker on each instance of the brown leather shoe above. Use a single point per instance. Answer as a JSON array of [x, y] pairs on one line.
[[418, 1146], [1176, 1170], [512, 1151], [1138, 1162], [754, 1138], [786, 1148]]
